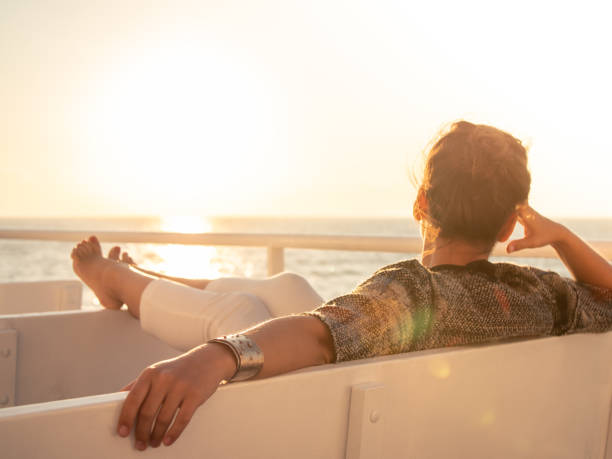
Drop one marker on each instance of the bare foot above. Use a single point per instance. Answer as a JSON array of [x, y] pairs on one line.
[[116, 255], [125, 258], [113, 254], [93, 269]]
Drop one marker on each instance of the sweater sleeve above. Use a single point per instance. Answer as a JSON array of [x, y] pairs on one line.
[[578, 307], [380, 317], [593, 311]]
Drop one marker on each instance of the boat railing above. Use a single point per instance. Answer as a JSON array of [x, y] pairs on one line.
[[273, 242]]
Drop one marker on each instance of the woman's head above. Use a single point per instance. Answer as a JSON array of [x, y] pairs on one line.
[[475, 175]]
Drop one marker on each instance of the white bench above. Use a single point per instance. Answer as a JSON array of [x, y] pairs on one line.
[[541, 398], [40, 296]]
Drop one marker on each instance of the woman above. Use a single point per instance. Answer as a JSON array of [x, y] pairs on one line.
[[474, 190]]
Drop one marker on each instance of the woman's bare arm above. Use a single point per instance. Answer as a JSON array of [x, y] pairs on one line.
[[585, 264], [185, 382]]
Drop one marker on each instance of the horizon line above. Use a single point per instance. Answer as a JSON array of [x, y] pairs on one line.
[[256, 216]]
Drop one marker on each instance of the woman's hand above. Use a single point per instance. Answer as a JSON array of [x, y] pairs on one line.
[[539, 230], [585, 264], [182, 384]]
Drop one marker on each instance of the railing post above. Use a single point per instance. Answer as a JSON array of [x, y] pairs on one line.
[[276, 260]]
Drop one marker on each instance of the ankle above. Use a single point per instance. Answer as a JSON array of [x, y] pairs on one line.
[[127, 286], [112, 280]]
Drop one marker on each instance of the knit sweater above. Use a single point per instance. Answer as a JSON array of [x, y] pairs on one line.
[[407, 307]]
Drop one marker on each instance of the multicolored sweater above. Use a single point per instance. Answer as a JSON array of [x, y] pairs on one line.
[[407, 307]]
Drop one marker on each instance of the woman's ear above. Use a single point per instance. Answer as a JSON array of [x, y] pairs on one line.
[[419, 207], [507, 228]]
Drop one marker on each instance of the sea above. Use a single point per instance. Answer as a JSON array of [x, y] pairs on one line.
[[332, 273]]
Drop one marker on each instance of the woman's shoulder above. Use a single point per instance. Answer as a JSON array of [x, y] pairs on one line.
[[412, 270], [485, 267], [402, 268], [497, 269], [512, 277]]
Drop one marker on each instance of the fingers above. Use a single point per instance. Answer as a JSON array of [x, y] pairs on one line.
[[539, 230], [519, 244], [182, 419], [150, 408], [165, 396], [527, 216], [522, 206], [132, 403], [128, 387], [164, 417], [148, 412]]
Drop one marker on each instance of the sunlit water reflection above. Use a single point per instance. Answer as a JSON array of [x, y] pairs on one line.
[[331, 272]]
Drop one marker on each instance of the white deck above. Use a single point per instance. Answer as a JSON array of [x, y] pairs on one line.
[[545, 398]]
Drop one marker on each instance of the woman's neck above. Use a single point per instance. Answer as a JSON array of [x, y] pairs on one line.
[[438, 251]]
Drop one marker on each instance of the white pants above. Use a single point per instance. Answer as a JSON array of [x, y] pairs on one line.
[[185, 317]]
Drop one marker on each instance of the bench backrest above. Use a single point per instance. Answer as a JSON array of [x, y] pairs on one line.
[[40, 296], [545, 398]]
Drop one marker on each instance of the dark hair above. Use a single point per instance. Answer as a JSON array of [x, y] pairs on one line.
[[474, 177]]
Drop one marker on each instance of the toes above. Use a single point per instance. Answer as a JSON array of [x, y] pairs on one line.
[[95, 245], [81, 250], [127, 259], [113, 254], [79, 246], [87, 248]]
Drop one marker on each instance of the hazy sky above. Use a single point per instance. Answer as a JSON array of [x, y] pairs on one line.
[[290, 107]]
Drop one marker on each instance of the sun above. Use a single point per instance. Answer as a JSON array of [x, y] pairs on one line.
[[190, 261], [174, 126]]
